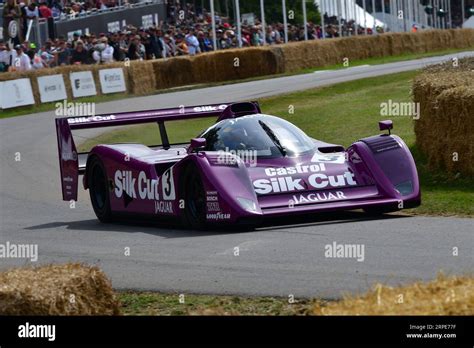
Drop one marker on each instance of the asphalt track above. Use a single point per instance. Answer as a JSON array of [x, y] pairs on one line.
[[287, 257]]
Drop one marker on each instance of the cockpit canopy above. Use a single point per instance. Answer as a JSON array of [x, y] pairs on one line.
[[266, 136]]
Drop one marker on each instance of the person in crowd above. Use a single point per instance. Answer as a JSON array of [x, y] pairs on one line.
[[181, 47], [273, 36], [103, 52], [5, 56], [79, 54], [31, 11], [192, 42], [119, 54], [205, 43], [136, 50], [38, 61], [62, 53], [19, 60], [44, 10], [170, 46]]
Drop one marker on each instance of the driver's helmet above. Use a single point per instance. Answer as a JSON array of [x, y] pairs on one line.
[[234, 137]]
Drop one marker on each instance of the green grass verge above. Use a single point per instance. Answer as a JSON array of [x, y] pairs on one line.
[[421, 298], [25, 110], [339, 114], [149, 303]]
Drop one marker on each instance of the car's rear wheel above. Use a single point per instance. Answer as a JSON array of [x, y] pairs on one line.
[[194, 198], [99, 189]]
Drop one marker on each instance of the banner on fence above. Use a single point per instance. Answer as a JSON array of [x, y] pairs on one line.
[[16, 93], [112, 80], [51, 88], [82, 84]]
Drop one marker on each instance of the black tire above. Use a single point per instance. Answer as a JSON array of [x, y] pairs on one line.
[[194, 197], [97, 182]]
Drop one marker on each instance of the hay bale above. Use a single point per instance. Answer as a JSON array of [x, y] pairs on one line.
[[319, 53], [239, 64], [442, 296], [173, 72], [141, 77], [49, 290], [236, 64], [446, 97]]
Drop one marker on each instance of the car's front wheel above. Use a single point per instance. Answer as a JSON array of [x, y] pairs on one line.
[[98, 189]]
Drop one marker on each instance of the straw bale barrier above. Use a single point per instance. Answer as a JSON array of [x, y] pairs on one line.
[[445, 128], [70, 289], [445, 295], [317, 53], [146, 77]]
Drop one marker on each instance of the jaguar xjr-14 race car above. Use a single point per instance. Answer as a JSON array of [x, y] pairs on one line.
[[246, 167]]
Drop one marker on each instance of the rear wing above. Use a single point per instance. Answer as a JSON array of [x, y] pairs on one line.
[[71, 164]]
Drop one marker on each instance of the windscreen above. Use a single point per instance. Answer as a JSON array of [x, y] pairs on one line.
[[267, 136]]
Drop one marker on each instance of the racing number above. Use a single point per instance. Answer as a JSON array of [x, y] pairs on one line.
[[168, 185]]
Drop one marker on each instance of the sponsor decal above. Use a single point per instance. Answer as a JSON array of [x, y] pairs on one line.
[[144, 188], [164, 207], [213, 206], [338, 158], [281, 181], [209, 108], [67, 153], [318, 197], [212, 201], [299, 169], [168, 185], [141, 187], [218, 216], [211, 196], [90, 119]]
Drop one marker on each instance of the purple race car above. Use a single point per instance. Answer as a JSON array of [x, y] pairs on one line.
[[246, 167]]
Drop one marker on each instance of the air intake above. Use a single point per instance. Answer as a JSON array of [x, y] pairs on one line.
[[240, 109], [381, 143]]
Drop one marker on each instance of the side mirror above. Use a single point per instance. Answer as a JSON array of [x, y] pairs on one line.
[[197, 144], [386, 125]]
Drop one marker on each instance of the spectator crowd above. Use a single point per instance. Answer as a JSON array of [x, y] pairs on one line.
[[187, 31]]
